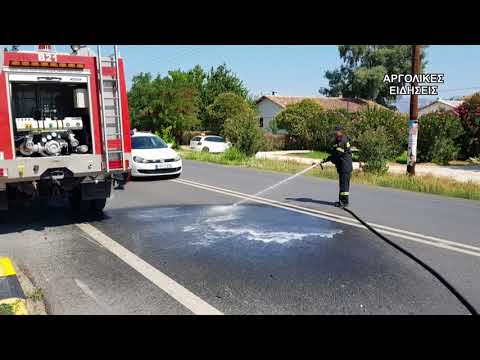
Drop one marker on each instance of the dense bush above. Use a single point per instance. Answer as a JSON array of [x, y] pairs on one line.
[[167, 136], [322, 128], [273, 142], [375, 149], [224, 106], [437, 130], [394, 126], [295, 119], [243, 132], [469, 113], [444, 150]]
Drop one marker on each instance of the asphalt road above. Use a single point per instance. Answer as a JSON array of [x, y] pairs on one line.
[[182, 243]]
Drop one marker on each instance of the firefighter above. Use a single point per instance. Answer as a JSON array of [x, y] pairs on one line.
[[341, 156]]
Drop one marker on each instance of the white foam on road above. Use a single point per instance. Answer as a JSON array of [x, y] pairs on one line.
[[221, 223], [279, 237]]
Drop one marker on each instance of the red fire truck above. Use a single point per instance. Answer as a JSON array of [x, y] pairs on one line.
[[64, 126]]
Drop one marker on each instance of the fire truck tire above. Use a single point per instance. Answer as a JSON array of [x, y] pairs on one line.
[[77, 204], [99, 204]]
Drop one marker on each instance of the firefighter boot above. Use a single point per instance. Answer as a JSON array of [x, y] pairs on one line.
[[343, 200]]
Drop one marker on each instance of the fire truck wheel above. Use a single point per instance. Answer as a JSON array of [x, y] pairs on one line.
[[77, 204], [99, 204]]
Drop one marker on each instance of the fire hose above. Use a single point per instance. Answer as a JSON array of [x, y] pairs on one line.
[[432, 271]]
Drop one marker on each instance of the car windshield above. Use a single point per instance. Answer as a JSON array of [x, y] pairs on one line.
[[214, 139], [148, 142]]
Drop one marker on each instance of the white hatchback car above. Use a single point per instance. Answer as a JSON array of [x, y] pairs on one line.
[[209, 143], [153, 157]]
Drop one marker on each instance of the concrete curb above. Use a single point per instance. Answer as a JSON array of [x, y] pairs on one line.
[[18, 295], [12, 298]]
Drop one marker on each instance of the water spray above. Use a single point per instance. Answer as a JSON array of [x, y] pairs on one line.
[[280, 183]]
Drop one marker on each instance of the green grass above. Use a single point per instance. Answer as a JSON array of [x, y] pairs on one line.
[[7, 309], [35, 295], [423, 184]]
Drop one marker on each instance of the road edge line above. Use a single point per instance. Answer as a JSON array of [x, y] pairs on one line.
[[178, 292]]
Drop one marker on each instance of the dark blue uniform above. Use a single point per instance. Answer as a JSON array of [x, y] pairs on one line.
[[341, 156]]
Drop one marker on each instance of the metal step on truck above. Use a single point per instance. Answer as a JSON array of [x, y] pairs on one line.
[[64, 126]]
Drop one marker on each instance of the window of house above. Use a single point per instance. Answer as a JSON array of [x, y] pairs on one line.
[[261, 122]]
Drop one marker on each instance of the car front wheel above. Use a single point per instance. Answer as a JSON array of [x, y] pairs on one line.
[[206, 149]]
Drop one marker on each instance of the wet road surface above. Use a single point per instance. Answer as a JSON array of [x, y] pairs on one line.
[[252, 259], [247, 259]]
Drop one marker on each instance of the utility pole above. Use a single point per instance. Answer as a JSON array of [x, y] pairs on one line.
[[413, 123]]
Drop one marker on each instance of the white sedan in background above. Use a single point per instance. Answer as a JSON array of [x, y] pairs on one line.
[[209, 143], [153, 157]]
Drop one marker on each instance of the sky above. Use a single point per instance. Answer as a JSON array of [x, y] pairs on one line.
[[291, 70]]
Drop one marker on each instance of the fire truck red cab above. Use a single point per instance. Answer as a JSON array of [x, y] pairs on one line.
[[64, 126]]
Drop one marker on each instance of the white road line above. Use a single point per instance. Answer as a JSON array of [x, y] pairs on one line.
[[428, 240], [185, 297]]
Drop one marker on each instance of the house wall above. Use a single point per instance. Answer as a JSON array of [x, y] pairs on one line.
[[267, 110], [437, 106]]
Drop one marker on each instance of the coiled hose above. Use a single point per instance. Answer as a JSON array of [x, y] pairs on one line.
[[439, 277]]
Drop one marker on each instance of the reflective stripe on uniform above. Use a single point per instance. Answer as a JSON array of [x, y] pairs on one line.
[[340, 149], [345, 193], [348, 144]]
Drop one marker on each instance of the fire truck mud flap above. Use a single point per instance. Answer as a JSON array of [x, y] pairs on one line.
[[92, 190], [3, 200]]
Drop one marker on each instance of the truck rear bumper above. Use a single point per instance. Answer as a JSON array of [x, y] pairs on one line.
[[29, 169]]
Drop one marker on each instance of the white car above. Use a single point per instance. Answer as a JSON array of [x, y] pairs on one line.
[[153, 157], [209, 143]]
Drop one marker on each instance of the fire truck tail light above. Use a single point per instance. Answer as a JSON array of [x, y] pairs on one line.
[[3, 172]]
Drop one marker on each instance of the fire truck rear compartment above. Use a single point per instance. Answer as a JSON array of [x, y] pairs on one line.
[[51, 119]]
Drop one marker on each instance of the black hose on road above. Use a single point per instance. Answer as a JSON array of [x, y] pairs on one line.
[[440, 278]]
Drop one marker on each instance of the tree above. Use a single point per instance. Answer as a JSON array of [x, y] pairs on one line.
[[140, 98], [164, 102], [224, 106], [296, 118], [219, 81], [243, 132], [364, 68]]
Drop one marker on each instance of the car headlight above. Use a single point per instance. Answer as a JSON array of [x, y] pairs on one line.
[[178, 158], [139, 159]]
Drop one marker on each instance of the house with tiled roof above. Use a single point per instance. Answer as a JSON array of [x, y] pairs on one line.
[[439, 105], [270, 105]]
